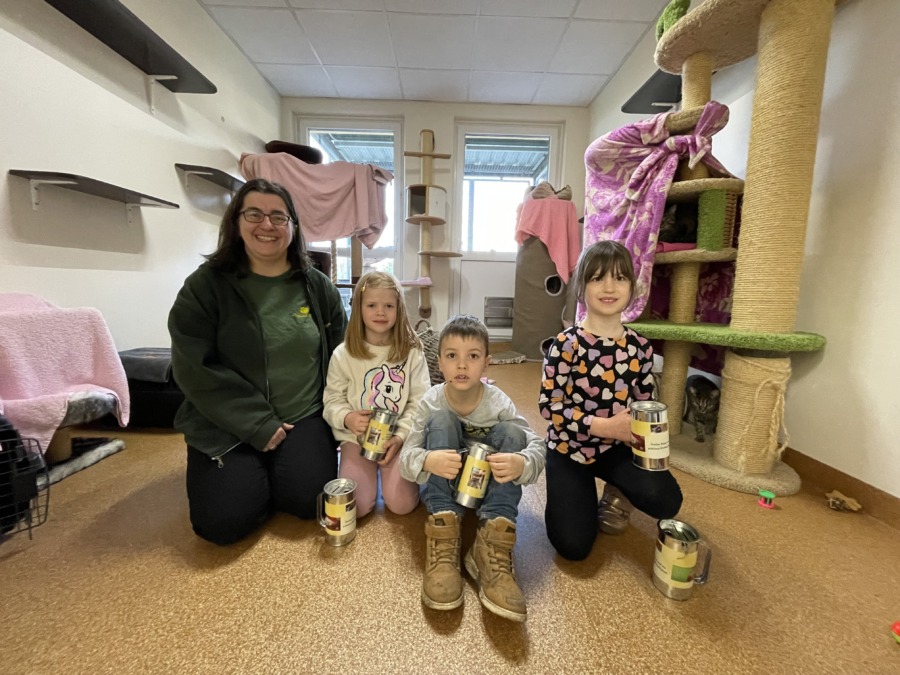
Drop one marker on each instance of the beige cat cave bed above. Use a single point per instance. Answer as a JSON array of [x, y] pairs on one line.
[[790, 39]]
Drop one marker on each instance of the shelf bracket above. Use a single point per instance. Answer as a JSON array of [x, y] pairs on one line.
[[149, 81], [35, 184]]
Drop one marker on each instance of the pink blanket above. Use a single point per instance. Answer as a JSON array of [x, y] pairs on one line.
[[48, 353], [333, 200], [555, 223]]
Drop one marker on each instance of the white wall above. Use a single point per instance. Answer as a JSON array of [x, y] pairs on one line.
[[70, 104], [441, 118], [842, 403]]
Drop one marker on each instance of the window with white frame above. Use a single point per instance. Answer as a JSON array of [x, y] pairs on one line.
[[496, 165], [360, 141]]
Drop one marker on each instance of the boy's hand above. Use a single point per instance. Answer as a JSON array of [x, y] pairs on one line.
[[391, 448], [506, 466], [443, 463], [356, 422]]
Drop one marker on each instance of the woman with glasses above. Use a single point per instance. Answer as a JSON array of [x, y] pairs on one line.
[[253, 329]]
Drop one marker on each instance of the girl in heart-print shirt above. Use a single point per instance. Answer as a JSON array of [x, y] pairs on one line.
[[591, 373]]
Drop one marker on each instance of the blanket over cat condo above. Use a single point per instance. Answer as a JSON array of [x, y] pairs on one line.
[[60, 368]]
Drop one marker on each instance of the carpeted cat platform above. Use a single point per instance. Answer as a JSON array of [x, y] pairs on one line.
[[86, 450], [696, 459]]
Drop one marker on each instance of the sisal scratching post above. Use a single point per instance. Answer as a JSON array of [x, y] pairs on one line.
[[696, 91], [747, 438], [793, 45], [682, 304]]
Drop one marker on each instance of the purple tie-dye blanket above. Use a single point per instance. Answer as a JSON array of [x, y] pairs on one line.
[[629, 171]]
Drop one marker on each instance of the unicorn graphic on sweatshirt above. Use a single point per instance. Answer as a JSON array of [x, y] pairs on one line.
[[383, 388]]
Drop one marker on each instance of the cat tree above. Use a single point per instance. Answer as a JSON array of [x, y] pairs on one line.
[[791, 39], [426, 206]]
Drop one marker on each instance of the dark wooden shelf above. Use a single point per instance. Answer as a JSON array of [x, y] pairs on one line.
[[115, 26], [90, 186], [213, 175], [660, 93]]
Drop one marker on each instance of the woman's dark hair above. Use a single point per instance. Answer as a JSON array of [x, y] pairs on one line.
[[230, 254], [597, 260]]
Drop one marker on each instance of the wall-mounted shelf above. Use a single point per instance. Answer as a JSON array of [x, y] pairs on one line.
[[114, 25], [211, 174], [89, 186], [660, 93]]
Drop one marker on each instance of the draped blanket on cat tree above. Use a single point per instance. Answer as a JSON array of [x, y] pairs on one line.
[[629, 172]]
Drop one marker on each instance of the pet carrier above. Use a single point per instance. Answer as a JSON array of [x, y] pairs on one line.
[[24, 485]]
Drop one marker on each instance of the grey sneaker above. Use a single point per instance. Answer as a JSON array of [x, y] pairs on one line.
[[613, 511]]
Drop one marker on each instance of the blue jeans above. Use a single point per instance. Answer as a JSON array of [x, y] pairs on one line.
[[501, 500]]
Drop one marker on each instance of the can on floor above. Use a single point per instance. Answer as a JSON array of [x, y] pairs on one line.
[[380, 429], [675, 565], [472, 482], [337, 511], [650, 435]]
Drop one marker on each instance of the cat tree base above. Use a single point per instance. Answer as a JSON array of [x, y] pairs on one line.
[[697, 460]]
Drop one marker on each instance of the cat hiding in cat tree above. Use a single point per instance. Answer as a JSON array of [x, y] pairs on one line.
[[701, 406]]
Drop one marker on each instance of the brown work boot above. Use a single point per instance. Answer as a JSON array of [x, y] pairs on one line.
[[490, 563], [442, 586]]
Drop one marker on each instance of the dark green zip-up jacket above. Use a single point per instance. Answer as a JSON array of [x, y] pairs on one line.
[[219, 357]]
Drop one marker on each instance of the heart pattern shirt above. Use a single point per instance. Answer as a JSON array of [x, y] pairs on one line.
[[587, 376]]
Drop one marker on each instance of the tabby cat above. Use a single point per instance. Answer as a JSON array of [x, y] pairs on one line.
[[701, 405], [679, 224]]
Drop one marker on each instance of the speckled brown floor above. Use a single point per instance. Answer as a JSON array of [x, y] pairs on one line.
[[116, 582]]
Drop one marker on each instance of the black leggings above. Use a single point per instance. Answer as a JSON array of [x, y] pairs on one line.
[[227, 503], [571, 514]]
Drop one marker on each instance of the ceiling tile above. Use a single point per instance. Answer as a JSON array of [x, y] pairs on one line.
[[557, 8], [488, 87], [365, 82], [298, 80], [266, 35], [617, 10], [245, 3], [433, 6], [361, 5], [568, 89], [348, 38], [434, 85], [514, 44], [443, 42], [596, 47]]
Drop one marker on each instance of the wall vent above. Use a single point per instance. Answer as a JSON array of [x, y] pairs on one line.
[[498, 312]]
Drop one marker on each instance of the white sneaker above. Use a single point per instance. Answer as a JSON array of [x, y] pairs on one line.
[[613, 511]]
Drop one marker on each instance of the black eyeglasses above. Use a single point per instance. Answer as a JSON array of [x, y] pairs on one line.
[[277, 218]]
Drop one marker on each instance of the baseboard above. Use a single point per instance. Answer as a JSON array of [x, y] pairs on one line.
[[875, 502]]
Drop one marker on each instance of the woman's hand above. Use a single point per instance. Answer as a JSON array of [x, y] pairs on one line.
[[278, 437], [443, 463], [506, 466], [391, 448], [356, 422]]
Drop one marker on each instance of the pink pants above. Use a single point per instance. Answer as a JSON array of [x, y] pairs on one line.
[[400, 496]]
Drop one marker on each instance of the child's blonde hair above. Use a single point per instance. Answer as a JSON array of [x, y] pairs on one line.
[[403, 337]]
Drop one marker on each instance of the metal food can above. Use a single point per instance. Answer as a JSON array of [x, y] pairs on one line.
[[650, 435], [475, 475], [380, 429], [675, 565], [337, 511]]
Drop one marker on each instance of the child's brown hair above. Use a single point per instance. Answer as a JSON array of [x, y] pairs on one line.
[[466, 326], [597, 260], [403, 337]]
